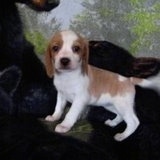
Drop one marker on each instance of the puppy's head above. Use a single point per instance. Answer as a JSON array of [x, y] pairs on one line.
[[67, 51]]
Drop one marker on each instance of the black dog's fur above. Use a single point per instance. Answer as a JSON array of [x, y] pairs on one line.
[[143, 144], [35, 93], [9, 81], [26, 138], [109, 56]]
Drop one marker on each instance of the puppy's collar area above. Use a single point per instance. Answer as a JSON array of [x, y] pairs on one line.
[[68, 71], [60, 71]]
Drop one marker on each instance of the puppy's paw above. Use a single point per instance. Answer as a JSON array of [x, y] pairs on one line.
[[60, 128], [50, 118], [119, 137], [110, 123]]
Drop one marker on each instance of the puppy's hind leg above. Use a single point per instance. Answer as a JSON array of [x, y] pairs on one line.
[[114, 122], [126, 110]]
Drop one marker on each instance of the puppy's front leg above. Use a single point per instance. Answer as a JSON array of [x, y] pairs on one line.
[[72, 116], [61, 102]]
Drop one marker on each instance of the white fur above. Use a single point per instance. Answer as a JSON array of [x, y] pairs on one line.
[[73, 86], [121, 78], [152, 82]]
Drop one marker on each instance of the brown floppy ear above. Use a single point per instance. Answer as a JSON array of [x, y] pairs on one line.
[[85, 55], [48, 62]]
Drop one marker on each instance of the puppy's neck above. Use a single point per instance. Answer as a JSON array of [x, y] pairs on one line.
[[73, 79], [69, 73]]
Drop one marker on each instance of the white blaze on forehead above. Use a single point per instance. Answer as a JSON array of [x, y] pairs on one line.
[[68, 37]]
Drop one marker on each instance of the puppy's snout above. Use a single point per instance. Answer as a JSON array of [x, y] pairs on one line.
[[65, 61]]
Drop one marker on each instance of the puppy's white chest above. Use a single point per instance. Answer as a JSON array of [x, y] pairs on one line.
[[67, 89], [70, 87]]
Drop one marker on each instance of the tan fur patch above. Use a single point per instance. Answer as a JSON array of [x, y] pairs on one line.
[[102, 81], [135, 80], [83, 44], [50, 54]]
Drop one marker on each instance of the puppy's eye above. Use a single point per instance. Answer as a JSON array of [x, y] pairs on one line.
[[55, 48], [76, 49]]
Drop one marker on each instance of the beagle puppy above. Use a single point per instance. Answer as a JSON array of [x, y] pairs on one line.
[[82, 84]]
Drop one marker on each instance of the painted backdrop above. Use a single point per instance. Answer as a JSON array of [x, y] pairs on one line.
[[132, 24]]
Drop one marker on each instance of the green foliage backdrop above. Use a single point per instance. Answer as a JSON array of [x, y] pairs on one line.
[[37, 30], [133, 24], [145, 20], [38, 40]]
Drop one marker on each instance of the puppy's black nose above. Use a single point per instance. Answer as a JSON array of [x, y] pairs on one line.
[[65, 61]]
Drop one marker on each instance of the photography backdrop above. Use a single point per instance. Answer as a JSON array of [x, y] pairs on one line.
[[132, 24]]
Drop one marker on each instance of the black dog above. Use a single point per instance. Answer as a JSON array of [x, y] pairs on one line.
[[35, 93]]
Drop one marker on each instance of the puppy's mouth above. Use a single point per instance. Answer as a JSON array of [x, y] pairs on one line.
[[68, 68], [64, 69]]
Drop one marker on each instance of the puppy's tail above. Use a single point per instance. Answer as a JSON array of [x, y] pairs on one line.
[[151, 82]]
